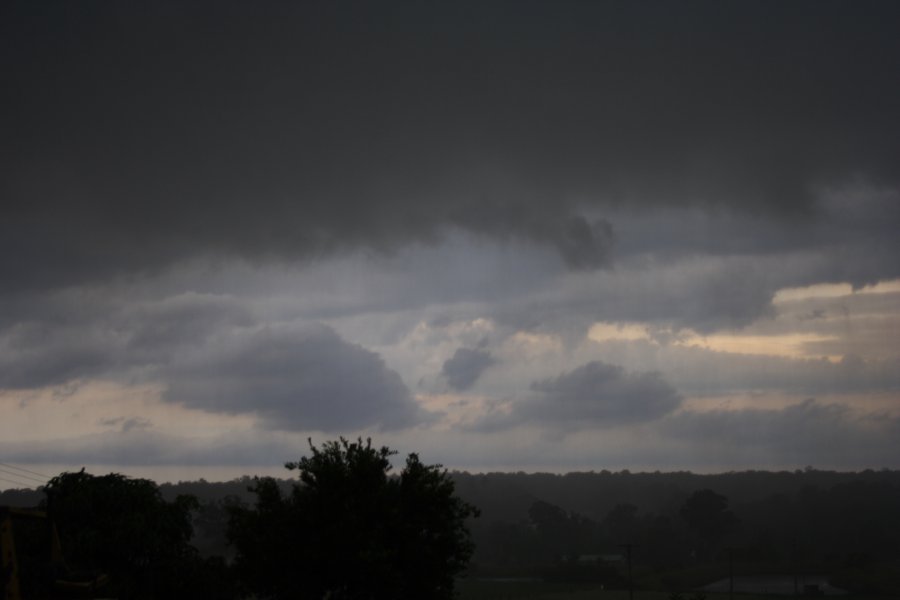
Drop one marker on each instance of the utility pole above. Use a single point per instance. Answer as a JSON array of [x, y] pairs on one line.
[[730, 573], [628, 548], [794, 564]]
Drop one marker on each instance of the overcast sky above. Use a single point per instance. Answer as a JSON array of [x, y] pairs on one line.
[[505, 235]]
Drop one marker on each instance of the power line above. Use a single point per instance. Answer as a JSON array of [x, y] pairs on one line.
[[23, 476], [19, 483], [18, 472], [46, 477]]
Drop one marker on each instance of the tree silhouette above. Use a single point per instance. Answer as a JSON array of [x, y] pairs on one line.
[[350, 530], [124, 527], [707, 514]]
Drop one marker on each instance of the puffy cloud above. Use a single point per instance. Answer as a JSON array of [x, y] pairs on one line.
[[304, 378], [466, 365], [594, 395], [213, 353]]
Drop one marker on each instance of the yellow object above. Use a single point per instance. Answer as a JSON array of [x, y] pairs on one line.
[[10, 588]]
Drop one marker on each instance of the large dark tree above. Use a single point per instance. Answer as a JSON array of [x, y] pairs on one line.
[[350, 530]]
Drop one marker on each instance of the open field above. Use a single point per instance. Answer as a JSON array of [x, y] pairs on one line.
[[473, 589]]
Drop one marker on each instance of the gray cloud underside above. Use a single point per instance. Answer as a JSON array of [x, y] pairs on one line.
[[700, 372], [294, 380], [594, 395], [466, 365], [674, 268], [141, 136], [84, 333]]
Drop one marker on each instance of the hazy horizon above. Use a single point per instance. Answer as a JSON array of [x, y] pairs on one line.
[[174, 475]]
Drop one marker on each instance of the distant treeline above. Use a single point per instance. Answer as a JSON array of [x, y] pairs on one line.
[[807, 520], [593, 494]]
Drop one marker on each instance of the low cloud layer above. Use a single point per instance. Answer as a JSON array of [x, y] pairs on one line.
[[809, 432], [594, 395]]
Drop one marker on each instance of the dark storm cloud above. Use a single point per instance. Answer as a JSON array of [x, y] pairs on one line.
[[157, 330], [466, 365], [703, 293], [809, 432], [137, 136], [593, 395], [79, 334], [37, 354], [295, 379], [854, 215]]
